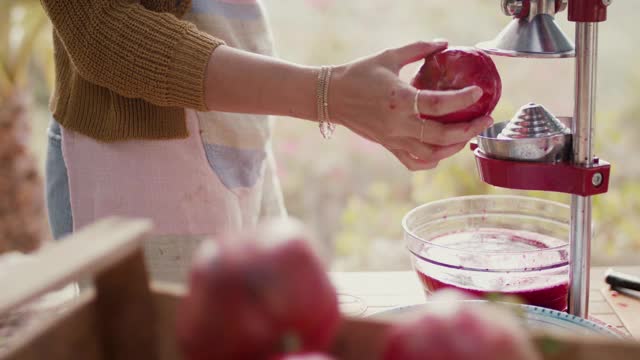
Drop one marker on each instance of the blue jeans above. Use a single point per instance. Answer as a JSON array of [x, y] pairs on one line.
[[57, 185]]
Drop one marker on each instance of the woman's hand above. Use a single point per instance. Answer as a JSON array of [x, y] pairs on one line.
[[368, 97]]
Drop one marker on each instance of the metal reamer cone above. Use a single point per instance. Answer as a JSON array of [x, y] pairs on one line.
[[533, 121]]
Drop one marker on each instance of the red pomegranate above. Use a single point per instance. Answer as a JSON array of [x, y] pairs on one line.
[[256, 295], [457, 68], [453, 329]]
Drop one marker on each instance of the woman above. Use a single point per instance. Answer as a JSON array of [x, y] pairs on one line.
[[163, 105], [161, 119]]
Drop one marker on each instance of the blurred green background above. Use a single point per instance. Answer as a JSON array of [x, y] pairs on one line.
[[351, 192]]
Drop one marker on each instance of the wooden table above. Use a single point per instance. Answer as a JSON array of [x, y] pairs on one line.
[[385, 290]]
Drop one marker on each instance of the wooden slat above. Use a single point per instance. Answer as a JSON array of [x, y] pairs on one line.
[[571, 347], [76, 333], [166, 299], [125, 310], [87, 252], [73, 335]]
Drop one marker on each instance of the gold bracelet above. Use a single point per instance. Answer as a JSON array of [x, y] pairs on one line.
[[322, 94]]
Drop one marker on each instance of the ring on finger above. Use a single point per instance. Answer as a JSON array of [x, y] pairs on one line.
[[416, 108]]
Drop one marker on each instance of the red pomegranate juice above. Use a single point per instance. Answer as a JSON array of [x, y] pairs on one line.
[[535, 276]]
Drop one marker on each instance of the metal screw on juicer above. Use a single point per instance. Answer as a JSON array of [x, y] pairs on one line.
[[561, 5], [597, 179], [512, 7], [607, 2]]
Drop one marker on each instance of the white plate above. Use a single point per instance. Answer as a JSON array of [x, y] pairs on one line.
[[535, 317]]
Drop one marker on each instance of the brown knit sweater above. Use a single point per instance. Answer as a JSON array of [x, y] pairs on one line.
[[127, 69]]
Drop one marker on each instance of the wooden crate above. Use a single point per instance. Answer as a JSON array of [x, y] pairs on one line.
[[125, 316], [122, 317]]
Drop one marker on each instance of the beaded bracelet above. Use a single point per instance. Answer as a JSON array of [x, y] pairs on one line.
[[322, 94]]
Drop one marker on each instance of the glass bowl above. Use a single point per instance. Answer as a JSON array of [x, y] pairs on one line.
[[485, 245]]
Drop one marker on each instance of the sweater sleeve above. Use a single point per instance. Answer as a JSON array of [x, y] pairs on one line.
[[133, 51]]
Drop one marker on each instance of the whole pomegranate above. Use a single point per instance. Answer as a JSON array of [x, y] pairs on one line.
[[456, 68], [257, 295], [455, 330]]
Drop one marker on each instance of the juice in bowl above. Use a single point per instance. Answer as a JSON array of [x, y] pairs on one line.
[[486, 245]]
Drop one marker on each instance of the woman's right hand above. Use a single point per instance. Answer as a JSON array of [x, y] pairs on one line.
[[368, 97]]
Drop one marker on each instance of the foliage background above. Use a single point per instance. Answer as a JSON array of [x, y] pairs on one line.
[[353, 194]]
